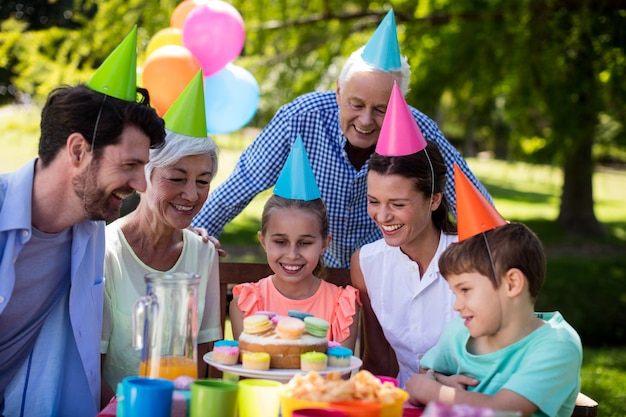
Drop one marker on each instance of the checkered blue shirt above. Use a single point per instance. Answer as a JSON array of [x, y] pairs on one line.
[[315, 117]]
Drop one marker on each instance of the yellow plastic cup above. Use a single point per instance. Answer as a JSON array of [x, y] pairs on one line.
[[395, 409], [258, 398], [288, 405]]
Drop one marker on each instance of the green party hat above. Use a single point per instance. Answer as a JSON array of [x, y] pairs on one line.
[[186, 115], [296, 180], [117, 76]]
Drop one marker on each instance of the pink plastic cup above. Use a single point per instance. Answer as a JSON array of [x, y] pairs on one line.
[[384, 379], [318, 412]]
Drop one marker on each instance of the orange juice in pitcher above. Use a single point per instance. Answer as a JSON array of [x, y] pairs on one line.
[[169, 367], [165, 325]]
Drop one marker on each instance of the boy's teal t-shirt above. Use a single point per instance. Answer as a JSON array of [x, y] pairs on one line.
[[543, 367]]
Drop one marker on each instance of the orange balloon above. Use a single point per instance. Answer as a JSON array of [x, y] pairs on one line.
[[182, 10], [166, 73]]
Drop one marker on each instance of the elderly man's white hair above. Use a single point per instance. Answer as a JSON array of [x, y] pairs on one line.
[[178, 146], [355, 64]]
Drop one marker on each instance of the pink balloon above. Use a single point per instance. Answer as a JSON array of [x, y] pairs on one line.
[[214, 34]]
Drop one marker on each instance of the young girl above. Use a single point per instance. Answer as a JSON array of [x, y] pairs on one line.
[[294, 234]]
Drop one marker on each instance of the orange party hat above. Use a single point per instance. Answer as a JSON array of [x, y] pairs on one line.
[[474, 213]]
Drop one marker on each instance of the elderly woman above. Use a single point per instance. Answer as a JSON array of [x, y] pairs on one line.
[[155, 238]]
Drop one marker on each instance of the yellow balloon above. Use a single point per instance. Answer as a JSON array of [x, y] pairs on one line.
[[167, 36]]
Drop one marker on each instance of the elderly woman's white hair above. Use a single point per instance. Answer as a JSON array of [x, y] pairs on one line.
[[178, 146], [355, 64]]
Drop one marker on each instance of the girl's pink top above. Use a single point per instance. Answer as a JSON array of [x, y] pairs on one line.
[[336, 305]]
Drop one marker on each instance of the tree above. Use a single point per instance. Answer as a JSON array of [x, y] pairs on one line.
[[558, 66], [537, 80], [529, 79], [74, 40]]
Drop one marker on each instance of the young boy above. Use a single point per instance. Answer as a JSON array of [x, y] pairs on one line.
[[500, 353]]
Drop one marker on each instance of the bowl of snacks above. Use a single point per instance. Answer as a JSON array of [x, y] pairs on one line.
[[315, 391]]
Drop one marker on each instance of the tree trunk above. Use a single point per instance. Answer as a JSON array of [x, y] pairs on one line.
[[577, 121], [576, 214]]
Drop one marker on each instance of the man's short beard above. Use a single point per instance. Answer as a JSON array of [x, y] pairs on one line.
[[93, 198]]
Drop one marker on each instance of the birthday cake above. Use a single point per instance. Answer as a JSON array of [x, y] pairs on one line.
[[283, 338]]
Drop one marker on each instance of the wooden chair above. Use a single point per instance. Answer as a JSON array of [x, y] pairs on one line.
[[585, 407]]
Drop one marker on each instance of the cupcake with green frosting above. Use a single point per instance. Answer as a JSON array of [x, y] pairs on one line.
[[313, 361]]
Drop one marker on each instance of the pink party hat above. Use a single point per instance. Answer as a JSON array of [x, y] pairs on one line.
[[296, 180], [474, 213], [399, 135]]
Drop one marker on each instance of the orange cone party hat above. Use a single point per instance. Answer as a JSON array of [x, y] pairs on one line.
[[474, 213], [399, 135]]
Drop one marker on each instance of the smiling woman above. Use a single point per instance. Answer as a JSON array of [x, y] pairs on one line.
[[155, 237], [406, 201]]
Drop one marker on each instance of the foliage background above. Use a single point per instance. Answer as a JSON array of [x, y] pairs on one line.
[[535, 81], [532, 80]]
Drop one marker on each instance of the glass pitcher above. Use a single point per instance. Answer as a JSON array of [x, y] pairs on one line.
[[165, 325]]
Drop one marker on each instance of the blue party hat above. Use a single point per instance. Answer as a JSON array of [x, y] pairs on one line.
[[382, 50], [296, 180]]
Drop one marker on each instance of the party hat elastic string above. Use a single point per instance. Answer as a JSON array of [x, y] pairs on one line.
[[93, 144], [432, 175], [493, 268]]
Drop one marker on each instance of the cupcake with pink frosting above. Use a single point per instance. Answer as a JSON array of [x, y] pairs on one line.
[[226, 352]]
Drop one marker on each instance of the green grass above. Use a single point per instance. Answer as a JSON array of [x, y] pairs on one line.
[[603, 378], [586, 279]]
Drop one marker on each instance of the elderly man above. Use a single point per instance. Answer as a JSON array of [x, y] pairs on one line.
[[339, 130]]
